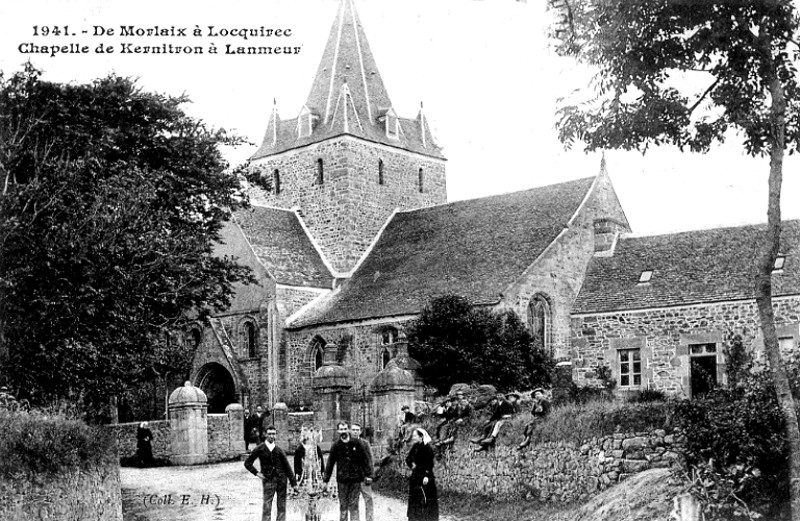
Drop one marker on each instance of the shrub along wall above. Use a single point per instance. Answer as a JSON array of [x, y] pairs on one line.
[[53, 468]]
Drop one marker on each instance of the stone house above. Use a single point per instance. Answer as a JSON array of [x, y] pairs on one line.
[[356, 236]]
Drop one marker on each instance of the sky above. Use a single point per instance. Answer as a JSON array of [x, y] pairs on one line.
[[483, 69]]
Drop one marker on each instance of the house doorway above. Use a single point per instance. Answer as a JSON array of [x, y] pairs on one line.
[[703, 369]]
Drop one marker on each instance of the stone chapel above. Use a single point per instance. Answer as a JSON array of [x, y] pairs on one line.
[[357, 235]]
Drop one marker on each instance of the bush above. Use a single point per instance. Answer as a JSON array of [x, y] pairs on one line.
[[646, 396], [38, 443], [736, 438]]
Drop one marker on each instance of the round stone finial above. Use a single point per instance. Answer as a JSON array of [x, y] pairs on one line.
[[188, 393], [393, 378], [332, 377]]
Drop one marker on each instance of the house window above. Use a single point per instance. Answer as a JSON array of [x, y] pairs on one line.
[[276, 181], [630, 368], [645, 277], [250, 337], [786, 344], [539, 320], [702, 368], [780, 260], [388, 336], [380, 171], [320, 171]]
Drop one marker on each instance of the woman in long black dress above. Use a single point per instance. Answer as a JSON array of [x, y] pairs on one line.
[[423, 502], [144, 448]]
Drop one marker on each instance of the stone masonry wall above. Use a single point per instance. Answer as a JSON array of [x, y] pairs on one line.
[[555, 471], [363, 359], [93, 494], [664, 336], [346, 212], [126, 438], [220, 447]]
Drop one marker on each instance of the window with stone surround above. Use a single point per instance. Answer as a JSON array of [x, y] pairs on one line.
[[386, 356], [630, 368], [195, 337], [380, 171], [786, 344], [388, 336], [539, 320], [276, 181], [320, 171], [315, 353], [780, 260], [249, 339]]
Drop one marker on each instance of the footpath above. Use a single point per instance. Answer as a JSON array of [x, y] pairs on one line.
[[222, 492]]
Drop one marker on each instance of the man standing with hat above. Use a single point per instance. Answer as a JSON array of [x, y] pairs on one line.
[[539, 410]]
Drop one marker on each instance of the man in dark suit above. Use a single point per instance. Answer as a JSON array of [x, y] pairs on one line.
[[274, 472], [352, 468]]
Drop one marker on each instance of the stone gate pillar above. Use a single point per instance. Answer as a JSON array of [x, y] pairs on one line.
[[392, 388], [404, 361], [331, 400], [189, 426], [235, 427]]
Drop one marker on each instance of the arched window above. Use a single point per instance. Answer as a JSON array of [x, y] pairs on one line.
[[388, 336], [380, 171], [250, 339], [195, 337], [420, 179], [320, 171], [539, 319], [276, 181], [315, 352], [385, 357]]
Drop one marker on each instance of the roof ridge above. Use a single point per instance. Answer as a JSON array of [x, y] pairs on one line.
[[710, 229], [486, 197]]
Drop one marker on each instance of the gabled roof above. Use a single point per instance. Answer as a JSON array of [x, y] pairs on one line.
[[688, 268], [284, 247], [347, 69], [472, 248]]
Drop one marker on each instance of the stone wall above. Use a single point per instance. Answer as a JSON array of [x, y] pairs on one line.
[[664, 336], [76, 494], [554, 471], [363, 359], [348, 209], [220, 444], [126, 438]]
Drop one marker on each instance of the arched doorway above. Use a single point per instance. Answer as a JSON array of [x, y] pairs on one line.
[[218, 385]]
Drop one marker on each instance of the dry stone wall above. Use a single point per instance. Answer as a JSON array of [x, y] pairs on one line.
[[220, 444], [76, 494], [554, 471]]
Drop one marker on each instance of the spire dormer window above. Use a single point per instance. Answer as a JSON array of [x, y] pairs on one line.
[[392, 126], [305, 123]]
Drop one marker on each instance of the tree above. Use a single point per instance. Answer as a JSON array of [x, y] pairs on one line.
[[112, 200], [744, 54], [458, 343]]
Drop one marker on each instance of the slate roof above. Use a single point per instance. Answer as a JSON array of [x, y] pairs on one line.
[[348, 67], [473, 248], [688, 268], [283, 246]]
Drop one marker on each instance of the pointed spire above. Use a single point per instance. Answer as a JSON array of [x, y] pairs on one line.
[[422, 125], [347, 57], [603, 170], [274, 120]]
